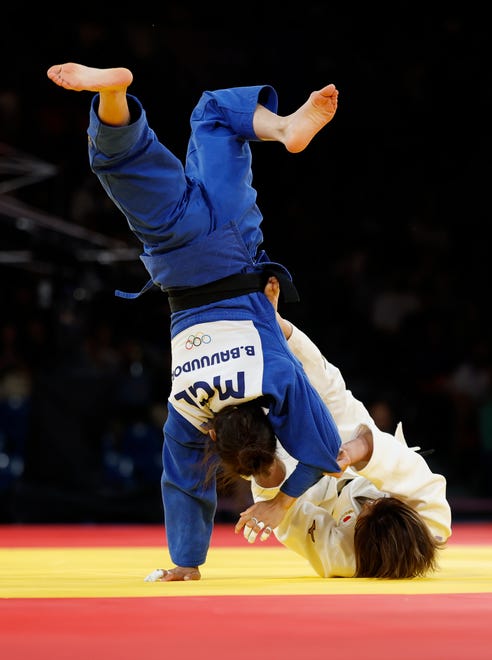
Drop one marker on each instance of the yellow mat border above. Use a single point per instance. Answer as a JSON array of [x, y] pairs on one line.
[[119, 572]]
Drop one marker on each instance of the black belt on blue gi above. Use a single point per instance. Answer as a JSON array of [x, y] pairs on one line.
[[229, 287]]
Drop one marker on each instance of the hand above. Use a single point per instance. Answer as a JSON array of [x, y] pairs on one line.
[[343, 459], [356, 452], [262, 517], [177, 574]]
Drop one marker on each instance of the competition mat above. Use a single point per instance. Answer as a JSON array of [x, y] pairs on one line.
[[77, 591]]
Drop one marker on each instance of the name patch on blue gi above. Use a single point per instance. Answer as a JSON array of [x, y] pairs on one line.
[[215, 364]]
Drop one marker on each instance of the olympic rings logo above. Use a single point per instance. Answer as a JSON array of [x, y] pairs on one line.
[[197, 340]]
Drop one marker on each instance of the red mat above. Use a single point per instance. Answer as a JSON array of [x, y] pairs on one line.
[[37, 536], [373, 627]]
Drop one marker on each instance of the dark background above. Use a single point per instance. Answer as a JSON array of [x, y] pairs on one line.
[[383, 222]]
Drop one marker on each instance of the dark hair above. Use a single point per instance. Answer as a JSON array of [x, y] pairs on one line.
[[245, 439], [392, 541]]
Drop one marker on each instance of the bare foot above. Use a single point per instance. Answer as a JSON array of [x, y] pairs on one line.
[[78, 77], [303, 124]]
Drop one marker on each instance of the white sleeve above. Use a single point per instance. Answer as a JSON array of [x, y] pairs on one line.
[[312, 532], [398, 470], [260, 493], [347, 411]]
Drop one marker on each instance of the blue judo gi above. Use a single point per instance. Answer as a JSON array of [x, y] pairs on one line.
[[199, 223]]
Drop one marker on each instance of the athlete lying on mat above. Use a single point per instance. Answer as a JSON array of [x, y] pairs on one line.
[[385, 517]]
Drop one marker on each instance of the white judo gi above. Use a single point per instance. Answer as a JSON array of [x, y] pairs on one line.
[[320, 524]]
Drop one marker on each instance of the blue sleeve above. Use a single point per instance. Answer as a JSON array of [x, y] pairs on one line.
[[189, 502], [304, 427], [303, 477]]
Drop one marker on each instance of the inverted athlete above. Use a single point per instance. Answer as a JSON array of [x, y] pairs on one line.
[[200, 229]]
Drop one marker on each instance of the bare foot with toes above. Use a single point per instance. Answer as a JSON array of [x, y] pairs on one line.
[[303, 124], [78, 77]]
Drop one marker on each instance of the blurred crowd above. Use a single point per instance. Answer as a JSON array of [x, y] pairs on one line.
[[381, 223]]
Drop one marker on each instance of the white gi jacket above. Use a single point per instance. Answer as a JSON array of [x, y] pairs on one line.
[[320, 524]]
